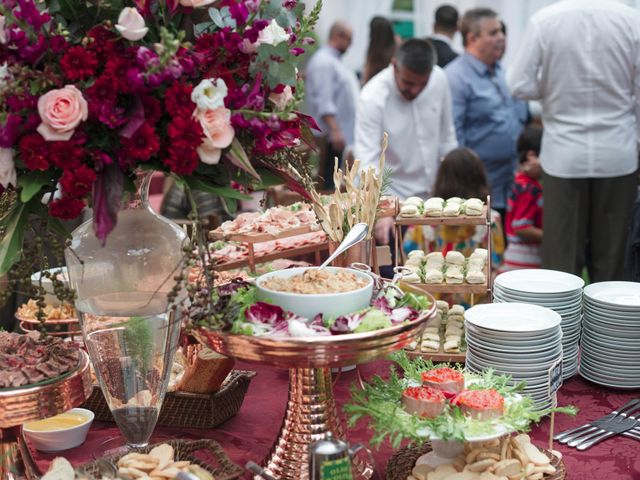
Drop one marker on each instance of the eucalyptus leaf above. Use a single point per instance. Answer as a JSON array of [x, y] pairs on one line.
[[31, 183], [223, 192], [201, 28], [216, 16], [13, 238]]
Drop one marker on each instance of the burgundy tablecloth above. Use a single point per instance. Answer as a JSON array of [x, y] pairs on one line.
[[250, 434]]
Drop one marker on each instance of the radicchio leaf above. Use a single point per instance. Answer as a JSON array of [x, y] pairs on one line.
[[299, 328], [107, 193], [262, 312], [346, 323], [403, 314], [382, 304]]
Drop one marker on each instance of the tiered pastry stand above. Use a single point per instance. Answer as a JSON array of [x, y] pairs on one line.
[[463, 288], [311, 410], [250, 239], [21, 405]]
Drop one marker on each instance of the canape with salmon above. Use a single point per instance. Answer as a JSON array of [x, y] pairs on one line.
[[423, 401]]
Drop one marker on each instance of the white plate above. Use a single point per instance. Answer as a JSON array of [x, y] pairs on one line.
[[554, 304], [546, 296], [617, 332], [539, 281], [625, 294], [516, 358], [513, 317], [607, 381], [610, 310], [509, 367], [492, 346], [616, 343], [513, 338]]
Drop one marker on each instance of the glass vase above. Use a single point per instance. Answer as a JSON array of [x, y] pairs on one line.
[[129, 327]]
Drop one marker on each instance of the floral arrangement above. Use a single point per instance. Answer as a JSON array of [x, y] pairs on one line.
[[91, 91]]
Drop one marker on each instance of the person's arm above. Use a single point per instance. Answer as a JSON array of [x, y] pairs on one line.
[[448, 140], [457, 89], [530, 234], [523, 77], [336, 138], [325, 85]]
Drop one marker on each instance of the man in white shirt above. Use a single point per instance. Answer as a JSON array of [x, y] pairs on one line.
[[581, 59], [409, 100]]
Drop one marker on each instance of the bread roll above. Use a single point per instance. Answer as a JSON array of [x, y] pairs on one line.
[[205, 372]]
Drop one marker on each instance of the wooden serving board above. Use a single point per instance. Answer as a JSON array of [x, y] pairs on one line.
[[459, 220], [261, 237], [292, 252], [440, 356]]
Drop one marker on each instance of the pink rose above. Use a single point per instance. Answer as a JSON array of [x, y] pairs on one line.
[[216, 124], [196, 3], [281, 100], [7, 168], [3, 34], [61, 111]]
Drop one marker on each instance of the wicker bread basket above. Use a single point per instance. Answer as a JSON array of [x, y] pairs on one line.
[[206, 453], [189, 410], [402, 462]]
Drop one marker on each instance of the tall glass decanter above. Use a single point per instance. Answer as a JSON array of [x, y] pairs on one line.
[[129, 328]]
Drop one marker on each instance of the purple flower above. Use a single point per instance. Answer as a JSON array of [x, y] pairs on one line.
[[239, 12], [111, 115], [31, 53], [32, 122], [28, 12], [135, 80], [296, 51], [289, 4], [18, 103], [147, 58], [308, 41], [252, 33], [173, 71], [9, 131]]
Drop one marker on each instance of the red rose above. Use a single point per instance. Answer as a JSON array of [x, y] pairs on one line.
[[78, 63], [78, 181], [142, 145], [66, 208], [34, 151]]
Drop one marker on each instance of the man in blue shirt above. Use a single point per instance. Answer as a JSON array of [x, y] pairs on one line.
[[330, 96], [486, 118]]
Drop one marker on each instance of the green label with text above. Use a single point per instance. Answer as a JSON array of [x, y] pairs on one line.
[[336, 469]]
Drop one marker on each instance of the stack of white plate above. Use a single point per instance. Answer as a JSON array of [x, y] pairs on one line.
[[611, 334], [559, 291], [515, 339]]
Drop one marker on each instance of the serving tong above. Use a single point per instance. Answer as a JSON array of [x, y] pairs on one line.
[[621, 421]]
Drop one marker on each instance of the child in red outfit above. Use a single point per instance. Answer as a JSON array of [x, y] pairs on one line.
[[523, 223]]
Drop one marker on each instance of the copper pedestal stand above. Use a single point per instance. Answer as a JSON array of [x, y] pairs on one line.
[[21, 405], [311, 410]]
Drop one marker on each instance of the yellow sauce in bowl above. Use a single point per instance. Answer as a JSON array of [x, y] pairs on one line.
[[59, 422]]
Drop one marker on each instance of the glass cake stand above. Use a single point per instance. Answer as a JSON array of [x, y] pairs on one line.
[[24, 404], [311, 410]]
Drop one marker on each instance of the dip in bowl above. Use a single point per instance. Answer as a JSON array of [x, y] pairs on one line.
[[61, 432], [305, 291]]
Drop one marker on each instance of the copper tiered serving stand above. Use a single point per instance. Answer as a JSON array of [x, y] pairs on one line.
[[311, 409], [21, 405]]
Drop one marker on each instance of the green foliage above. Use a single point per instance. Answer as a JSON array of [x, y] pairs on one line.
[[379, 402], [139, 342], [31, 183], [13, 228]]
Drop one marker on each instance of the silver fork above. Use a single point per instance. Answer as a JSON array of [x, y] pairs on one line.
[[616, 426], [568, 435]]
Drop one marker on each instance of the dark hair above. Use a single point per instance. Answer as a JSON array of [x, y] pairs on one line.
[[417, 55], [530, 139], [382, 45], [471, 20], [461, 174], [447, 18]]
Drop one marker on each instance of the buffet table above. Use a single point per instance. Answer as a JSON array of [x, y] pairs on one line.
[[249, 435]]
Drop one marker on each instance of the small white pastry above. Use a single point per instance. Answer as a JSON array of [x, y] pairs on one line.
[[454, 200], [430, 346], [415, 253], [442, 305], [452, 330], [433, 207], [454, 277], [480, 253], [413, 201], [476, 263], [411, 278], [433, 276], [455, 258], [451, 209], [451, 346], [435, 258], [475, 277], [473, 206], [453, 268], [413, 262], [433, 337], [456, 310], [455, 318], [433, 330], [409, 211]]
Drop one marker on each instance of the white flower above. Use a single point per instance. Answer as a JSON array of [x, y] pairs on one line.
[[4, 74], [282, 99], [209, 94], [7, 168], [273, 34], [131, 24]]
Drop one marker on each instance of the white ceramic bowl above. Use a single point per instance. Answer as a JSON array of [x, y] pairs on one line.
[[50, 297], [309, 305], [63, 438]]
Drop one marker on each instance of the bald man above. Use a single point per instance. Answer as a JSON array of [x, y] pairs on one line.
[[330, 96]]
